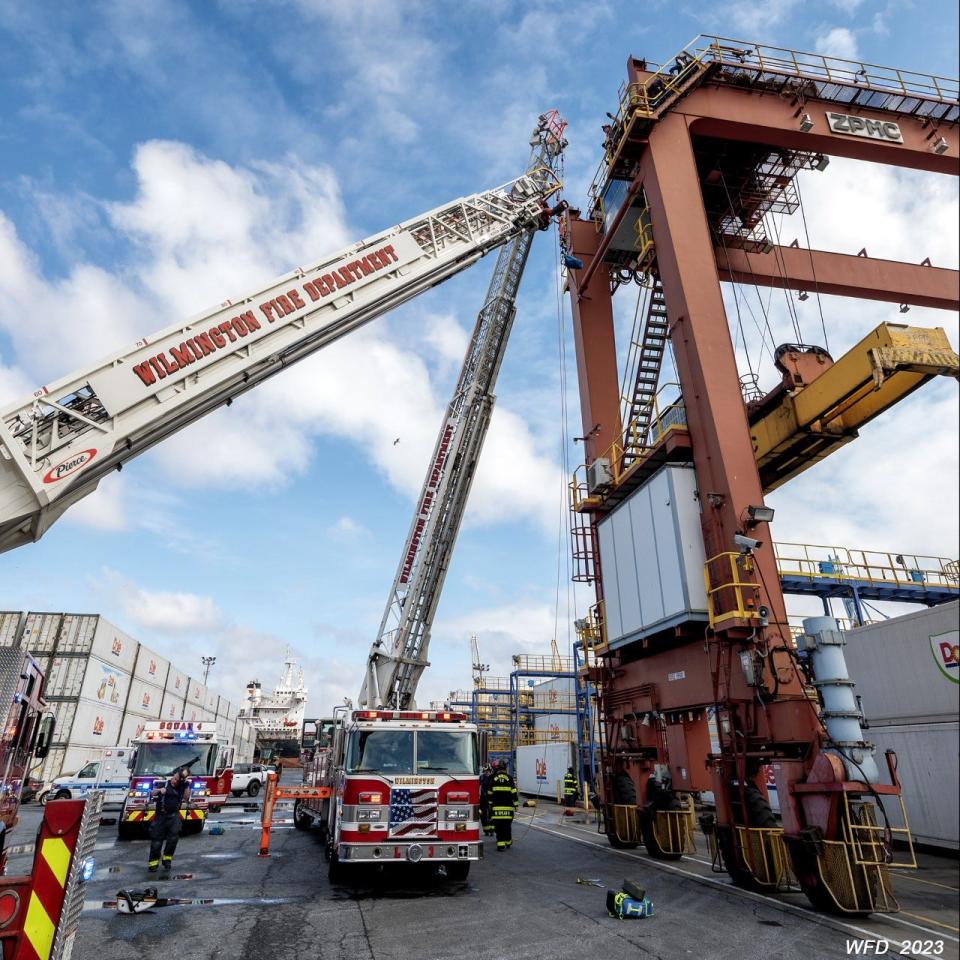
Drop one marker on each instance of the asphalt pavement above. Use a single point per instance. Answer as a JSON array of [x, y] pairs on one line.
[[524, 903]]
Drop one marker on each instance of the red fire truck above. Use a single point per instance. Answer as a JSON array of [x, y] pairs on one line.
[[164, 745], [40, 910], [406, 789]]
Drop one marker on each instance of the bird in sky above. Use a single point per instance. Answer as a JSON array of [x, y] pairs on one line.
[[395, 442]]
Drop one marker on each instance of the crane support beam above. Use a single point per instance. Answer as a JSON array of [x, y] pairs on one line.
[[842, 275], [593, 334], [724, 112], [793, 429]]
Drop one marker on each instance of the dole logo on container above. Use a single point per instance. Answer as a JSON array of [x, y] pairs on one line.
[[945, 648], [98, 727], [541, 769], [152, 669]]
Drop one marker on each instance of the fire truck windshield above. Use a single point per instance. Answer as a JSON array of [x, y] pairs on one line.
[[161, 759], [446, 751], [400, 751]]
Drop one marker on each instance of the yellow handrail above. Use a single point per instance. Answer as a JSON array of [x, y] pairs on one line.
[[880, 567]]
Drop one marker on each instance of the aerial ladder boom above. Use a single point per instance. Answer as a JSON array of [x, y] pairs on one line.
[[398, 655], [57, 445]]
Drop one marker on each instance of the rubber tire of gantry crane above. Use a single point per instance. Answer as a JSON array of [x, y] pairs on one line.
[[254, 788], [758, 814], [659, 800], [805, 867], [624, 792], [62, 795], [302, 819], [458, 871]]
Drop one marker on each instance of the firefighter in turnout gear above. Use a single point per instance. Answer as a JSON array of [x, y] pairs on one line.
[[165, 829], [502, 801], [485, 777], [570, 788]]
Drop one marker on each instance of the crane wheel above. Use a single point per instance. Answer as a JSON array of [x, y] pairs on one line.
[[624, 793], [758, 814]]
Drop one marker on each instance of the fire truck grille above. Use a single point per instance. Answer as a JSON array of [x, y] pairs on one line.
[[413, 813]]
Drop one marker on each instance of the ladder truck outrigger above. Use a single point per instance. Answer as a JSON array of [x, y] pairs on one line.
[[405, 782], [56, 446]]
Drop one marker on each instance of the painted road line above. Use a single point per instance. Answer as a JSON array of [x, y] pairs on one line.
[[748, 894], [919, 916], [929, 883]]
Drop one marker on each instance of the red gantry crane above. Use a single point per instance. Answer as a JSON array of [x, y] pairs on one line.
[[672, 527]]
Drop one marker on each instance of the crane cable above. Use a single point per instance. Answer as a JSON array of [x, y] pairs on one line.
[[813, 268]]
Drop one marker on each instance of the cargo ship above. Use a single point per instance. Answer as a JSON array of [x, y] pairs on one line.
[[277, 718]]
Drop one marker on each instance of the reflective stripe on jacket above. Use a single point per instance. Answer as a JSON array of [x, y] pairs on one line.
[[570, 785]]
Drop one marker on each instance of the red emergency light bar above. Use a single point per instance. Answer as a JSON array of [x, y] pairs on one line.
[[437, 715]]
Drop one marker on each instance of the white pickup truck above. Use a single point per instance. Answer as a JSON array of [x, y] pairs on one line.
[[249, 778]]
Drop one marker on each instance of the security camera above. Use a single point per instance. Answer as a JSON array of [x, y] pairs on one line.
[[746, 544]]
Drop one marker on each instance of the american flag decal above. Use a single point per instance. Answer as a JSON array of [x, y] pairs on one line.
[[413, 813]]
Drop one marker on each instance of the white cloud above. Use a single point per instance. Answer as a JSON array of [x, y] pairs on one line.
[[838, 42], [201, 230], [105, 509], [754, 19], [848, 7], [347, 530], [170, 613]]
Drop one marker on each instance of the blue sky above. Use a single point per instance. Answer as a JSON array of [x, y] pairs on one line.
[[156, 158]]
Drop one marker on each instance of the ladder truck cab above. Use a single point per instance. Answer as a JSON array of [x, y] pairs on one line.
[[39, 909], [164, 745], [406, 789], [26, 735]]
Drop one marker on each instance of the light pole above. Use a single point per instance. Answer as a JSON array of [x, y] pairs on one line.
[[208, 662]]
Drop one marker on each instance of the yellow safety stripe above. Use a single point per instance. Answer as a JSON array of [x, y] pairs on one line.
[[39, 928]]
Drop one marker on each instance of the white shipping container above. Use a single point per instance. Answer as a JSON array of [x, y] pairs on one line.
[[196, 693], [208, 715], [192, 712], [651, 558], [77, 632], [177, 682], [145, 700], [151, 667], [105, 683], [51, 765], [927, 768], [95, 725], [561, 726], [9, 628], [40, 631], [114, 646], [907, 670], [131, 727], [541, 767], [171, 708], [210, 701], [65, 677], [64, 712]]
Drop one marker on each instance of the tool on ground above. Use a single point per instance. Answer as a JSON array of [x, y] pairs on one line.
[[590, 881], [142, 901]]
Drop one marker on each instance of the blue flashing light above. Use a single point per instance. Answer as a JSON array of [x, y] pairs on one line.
[[86, 871]]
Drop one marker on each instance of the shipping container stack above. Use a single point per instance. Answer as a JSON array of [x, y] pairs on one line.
[[102, 686]]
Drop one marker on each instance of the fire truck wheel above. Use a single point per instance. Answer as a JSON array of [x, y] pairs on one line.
[[62, 795], [336, 872], [459, 871], [192, 827], [126, 831], [302, 818], [254, 788]]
